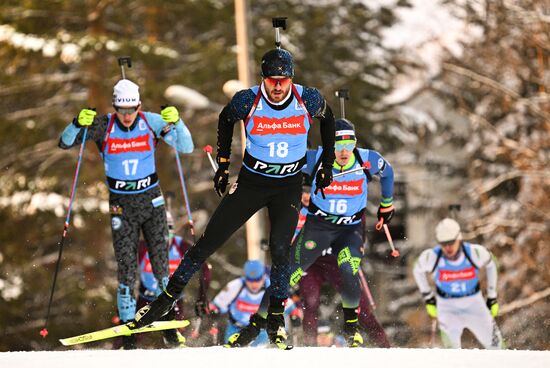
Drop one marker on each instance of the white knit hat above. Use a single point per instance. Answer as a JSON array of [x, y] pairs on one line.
[[126, 93], [447, 230]]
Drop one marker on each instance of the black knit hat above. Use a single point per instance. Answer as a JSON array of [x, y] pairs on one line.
[[277, 62]]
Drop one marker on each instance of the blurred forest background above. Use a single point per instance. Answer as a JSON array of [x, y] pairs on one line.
[[453, 93]]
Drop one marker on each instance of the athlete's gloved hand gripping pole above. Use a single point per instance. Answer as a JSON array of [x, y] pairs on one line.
[[84, 120], [385, 214]]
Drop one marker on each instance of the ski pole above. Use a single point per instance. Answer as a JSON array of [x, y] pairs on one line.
[[208, 150], [366, 289], [44, 331], [184, 191], [379, 226], [363, 167], [185, 196], [433, 332]]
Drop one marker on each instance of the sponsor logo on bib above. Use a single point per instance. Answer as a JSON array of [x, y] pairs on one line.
[[137, 144], [292, 125], [352, 187], [460, 275], [247, 307]]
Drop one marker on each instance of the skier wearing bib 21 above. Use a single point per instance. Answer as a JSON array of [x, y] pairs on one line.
[[277, 116], [334, 221], [458, 303], [127, 140]]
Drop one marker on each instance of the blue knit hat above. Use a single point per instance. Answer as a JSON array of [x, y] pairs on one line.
[[345, 131], [254, 270]]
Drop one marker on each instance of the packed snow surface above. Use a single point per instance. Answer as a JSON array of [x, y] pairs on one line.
[[274, 358]]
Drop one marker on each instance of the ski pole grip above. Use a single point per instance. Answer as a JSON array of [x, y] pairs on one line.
[[208, 150]]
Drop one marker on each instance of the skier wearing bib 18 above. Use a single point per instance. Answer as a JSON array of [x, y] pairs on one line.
[[278, 115]]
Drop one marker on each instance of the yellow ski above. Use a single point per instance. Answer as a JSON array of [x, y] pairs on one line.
[[122, 330]]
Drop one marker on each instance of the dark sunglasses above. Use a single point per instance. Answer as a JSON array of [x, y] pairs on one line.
[[272, 82], [126, 110]]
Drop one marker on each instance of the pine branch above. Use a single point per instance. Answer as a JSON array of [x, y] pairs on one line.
[[496, 86], [521, 303]]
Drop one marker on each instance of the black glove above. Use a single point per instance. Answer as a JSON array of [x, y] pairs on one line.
[[201, 308], [221, 178], [323, 178], [385, 213]]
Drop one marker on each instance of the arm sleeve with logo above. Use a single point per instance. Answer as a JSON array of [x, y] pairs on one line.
[[179, 137], [483, 258], [379, 166], [72, 135], [227, 295], [423, 265], [237, 109]]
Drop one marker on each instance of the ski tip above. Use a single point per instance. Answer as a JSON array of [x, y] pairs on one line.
[[44, 332], [395, 253]]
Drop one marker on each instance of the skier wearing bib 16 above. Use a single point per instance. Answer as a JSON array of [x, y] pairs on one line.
[[334, 221], [277, 116], [457, 303], [126, 139]]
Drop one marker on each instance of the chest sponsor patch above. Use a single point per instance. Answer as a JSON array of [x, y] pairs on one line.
[[352, 187], [121, 145], [292, 125], [247, 307], [459, 275]]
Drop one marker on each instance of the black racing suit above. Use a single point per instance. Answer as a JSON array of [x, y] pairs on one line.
[[253, 191]]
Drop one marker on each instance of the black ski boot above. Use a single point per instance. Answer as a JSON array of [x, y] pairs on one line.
[[172, 338], [248, 333], [276, 323], [155, 310], [351, 328]]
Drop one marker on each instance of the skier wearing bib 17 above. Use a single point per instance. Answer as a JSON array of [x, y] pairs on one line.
[[126, 139], [277, 115]]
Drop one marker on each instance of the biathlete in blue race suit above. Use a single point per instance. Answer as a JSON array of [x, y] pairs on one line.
[[241, 297], [277, 116], [127, 140]]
